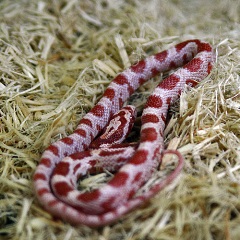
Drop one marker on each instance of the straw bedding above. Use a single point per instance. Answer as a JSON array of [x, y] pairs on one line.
[[57, 57]]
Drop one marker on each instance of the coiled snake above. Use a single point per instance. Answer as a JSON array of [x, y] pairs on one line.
[[63, 162]]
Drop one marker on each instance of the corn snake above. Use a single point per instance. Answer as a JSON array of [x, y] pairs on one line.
[[64, 161]]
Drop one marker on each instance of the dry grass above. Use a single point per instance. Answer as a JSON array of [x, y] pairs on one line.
[[57, 57]]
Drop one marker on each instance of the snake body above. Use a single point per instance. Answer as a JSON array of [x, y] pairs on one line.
[[64, 161]]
